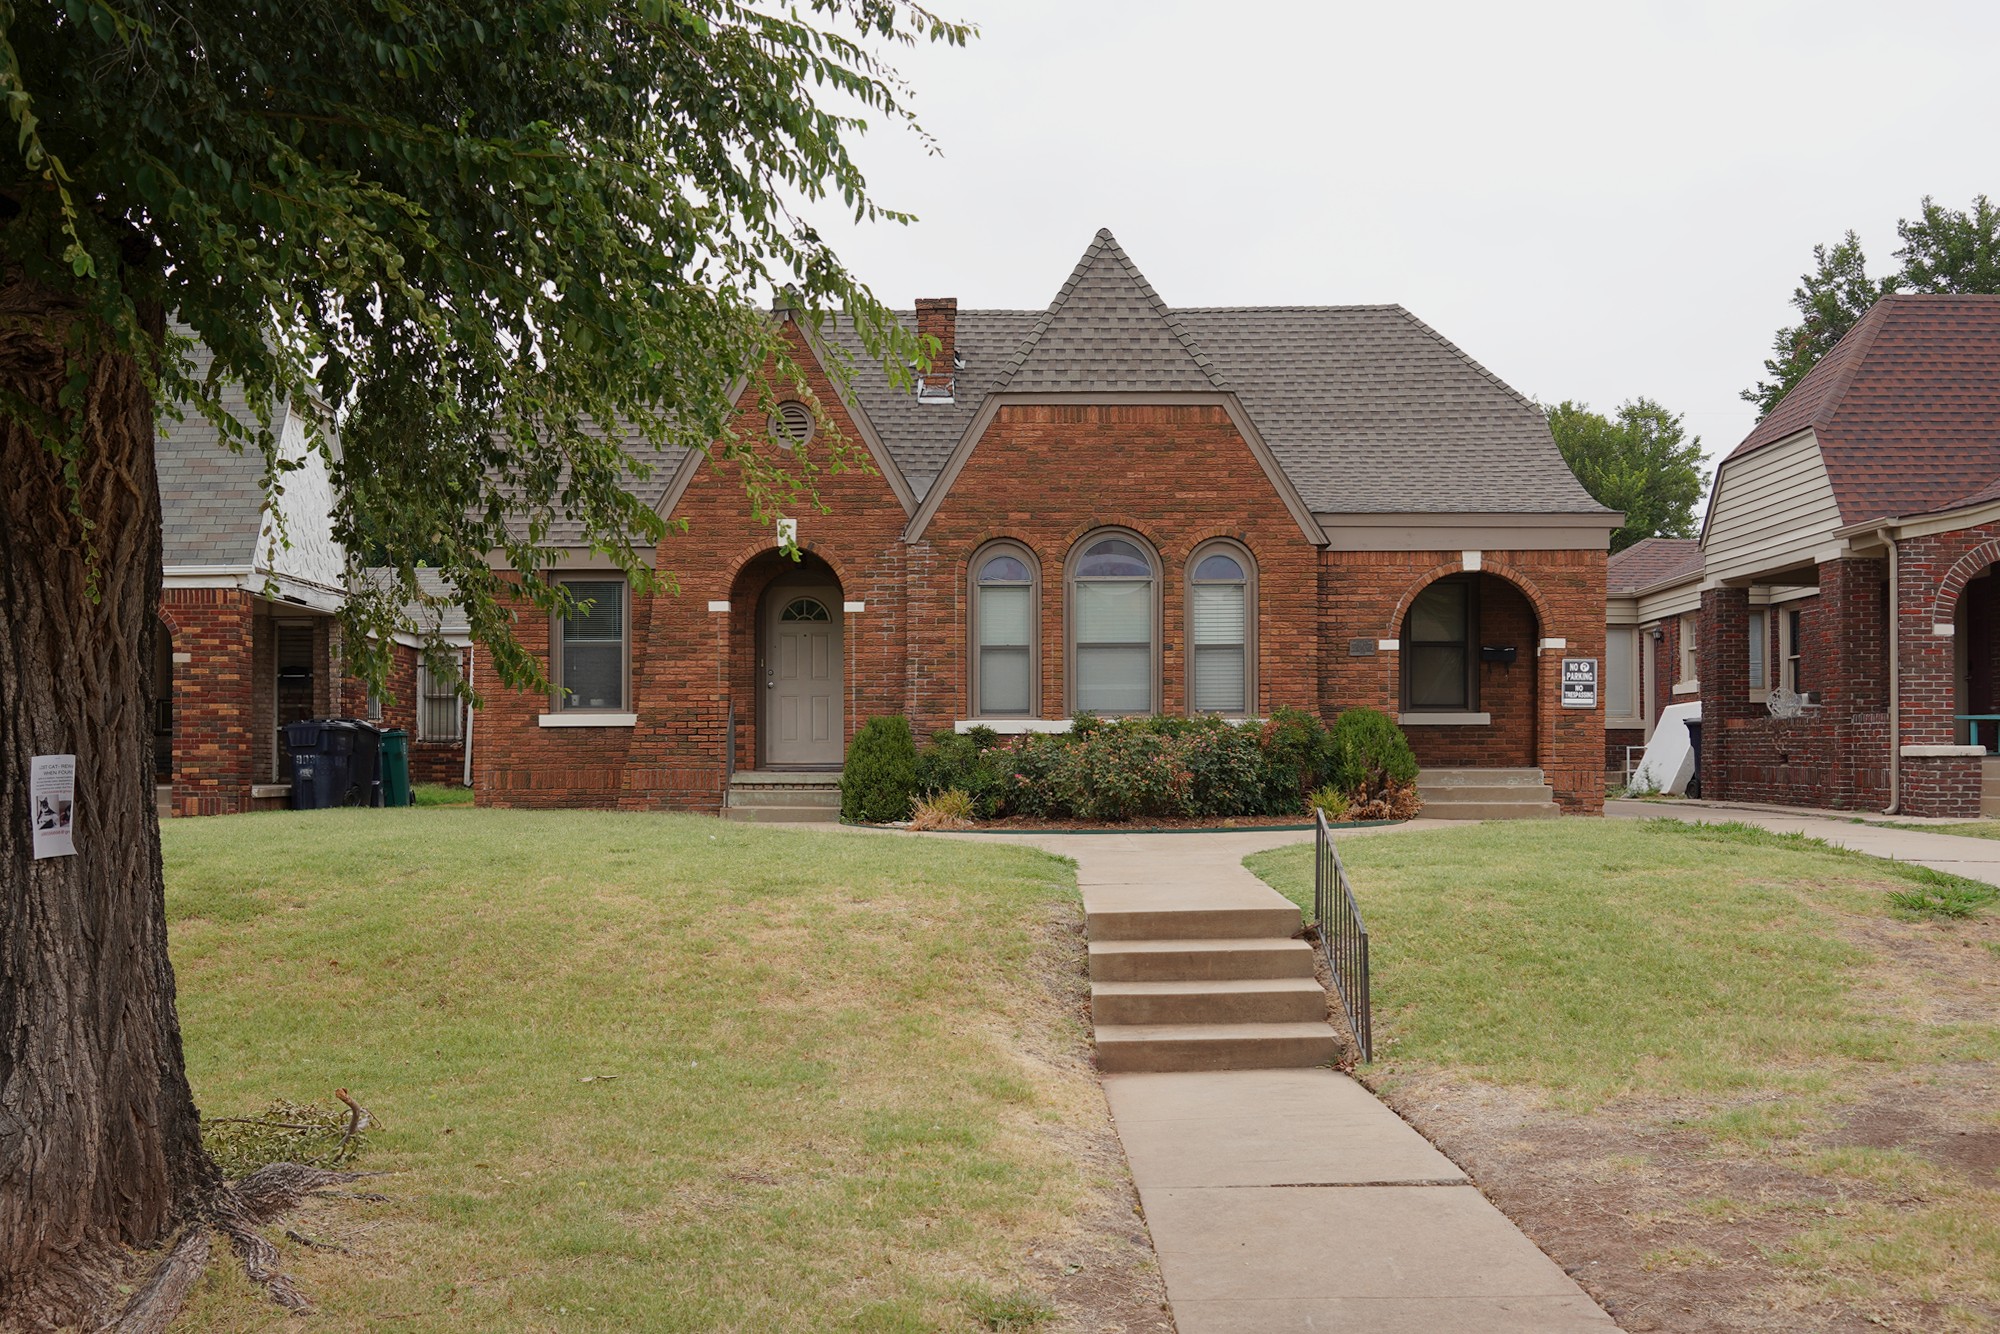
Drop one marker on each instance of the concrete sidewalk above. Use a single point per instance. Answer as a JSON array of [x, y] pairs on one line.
[[1973, 858], [1292, 1199]]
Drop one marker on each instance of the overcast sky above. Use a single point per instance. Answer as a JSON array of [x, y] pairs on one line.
[[1598, 201]]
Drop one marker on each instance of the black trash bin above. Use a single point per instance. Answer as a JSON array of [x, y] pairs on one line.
[[322, 762], [1694, 741], [365, 771]]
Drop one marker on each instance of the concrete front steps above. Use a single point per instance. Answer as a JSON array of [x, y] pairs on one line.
[[784, 798], [1202, 987], [1486, 794]]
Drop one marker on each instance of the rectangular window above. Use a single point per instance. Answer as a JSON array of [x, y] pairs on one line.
[[1790, 626], [1005, 633], [1114, 646], [1218, 623], [1438, 657], [374, 714], [1620, 664], [1690, 662], [592, 647], [439, 717], [1759, 629]]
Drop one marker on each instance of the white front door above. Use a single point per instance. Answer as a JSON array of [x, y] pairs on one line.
[[802, 678]]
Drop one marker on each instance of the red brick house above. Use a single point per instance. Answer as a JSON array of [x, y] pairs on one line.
[[251, 638], [1837, 618], [1107, 505]]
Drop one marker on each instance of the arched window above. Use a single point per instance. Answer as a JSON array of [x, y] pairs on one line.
[[1114, 626], [1004, 616], [1222, 629]]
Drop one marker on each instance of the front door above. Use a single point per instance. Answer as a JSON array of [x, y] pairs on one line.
[[802, 679]]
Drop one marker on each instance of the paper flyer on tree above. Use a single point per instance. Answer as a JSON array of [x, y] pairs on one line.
[[52, 804]]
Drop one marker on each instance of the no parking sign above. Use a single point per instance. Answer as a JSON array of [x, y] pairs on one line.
[[1579, 684]]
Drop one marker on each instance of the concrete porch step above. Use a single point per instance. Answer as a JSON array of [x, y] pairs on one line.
[[1263, 1000], [1254, 1046], [1192, 923], [1479, 777], [783, 814], [1198, 960], [1486, 794], [785, 796]]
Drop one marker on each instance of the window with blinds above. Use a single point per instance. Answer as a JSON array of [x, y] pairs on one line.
[[439, 717], [1756, 633], [591, 663], [1219, 612], [1003, 633], [1112, 627]]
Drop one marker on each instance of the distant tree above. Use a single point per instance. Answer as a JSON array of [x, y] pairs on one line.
[[1642, 462], [1829, 300], [1943, 250], [1946, 250]]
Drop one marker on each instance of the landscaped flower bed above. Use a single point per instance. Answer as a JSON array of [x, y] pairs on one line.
[[1159, 770]]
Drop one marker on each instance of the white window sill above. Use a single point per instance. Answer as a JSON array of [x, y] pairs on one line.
[[265, 791], [1624, 724], [1445, 719], [577, 718], [1942, 752], [1687, 687], [1012, 726]]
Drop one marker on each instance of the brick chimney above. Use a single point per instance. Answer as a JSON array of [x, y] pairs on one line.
[[937, 316]]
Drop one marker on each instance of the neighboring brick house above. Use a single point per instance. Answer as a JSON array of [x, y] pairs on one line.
[[251, 637], [1842, 600], [1109, 505]]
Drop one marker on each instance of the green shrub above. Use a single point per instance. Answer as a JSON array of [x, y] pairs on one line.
[[1226, 765], [1368, 754], [880, 775], [1125, 771], [1030, 773], [971, 762], [1294, 760]]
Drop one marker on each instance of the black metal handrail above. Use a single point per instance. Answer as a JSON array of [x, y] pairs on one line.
[[1342, 936]]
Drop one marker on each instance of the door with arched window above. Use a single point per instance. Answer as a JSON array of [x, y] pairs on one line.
[[803, 683]]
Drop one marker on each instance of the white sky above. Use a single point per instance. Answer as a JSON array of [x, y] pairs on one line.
[[1596, 200]]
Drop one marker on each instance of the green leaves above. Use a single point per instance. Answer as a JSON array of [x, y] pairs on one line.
[[510, 250], [1642, 464]]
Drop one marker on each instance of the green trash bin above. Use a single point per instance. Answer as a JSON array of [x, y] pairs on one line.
[[395, 767]]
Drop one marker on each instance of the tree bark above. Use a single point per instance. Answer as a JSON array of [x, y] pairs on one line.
[[100, 1143]]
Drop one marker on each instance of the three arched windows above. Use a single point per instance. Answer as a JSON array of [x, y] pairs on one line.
[[1112, 632]]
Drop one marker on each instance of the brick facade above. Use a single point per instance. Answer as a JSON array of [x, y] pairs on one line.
[[1044, 476]]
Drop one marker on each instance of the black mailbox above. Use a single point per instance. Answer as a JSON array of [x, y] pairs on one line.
[[1504, 654]]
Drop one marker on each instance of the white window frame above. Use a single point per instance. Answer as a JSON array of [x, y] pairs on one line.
[[1789, 659], [1687, 670], [1758, 634], [1635, 675]]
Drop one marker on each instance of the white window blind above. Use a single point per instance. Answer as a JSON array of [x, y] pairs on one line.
[[1619, 664], [1757, 631], [1004, 638], [593, 648], [1218, 631]]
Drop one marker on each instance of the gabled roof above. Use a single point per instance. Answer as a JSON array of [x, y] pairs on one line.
[[1107, 331], [1905, 408], [1650, 561], [211, 496], [663, 465]]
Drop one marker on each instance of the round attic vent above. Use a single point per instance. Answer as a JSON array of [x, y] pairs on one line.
[[792, 423]]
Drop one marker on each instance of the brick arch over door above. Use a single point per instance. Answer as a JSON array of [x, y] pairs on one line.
[[1962, 572], [1509, 614], [753, 573]]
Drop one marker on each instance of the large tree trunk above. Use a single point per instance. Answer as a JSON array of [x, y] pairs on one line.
[[100, 1144]]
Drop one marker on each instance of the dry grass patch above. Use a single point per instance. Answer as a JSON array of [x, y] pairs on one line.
[[655, 1072], [1729, 1079]]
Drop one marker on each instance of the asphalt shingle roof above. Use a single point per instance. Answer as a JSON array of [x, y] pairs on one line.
[[1906, 408], [1652, 560], [663, 464], [211, 496]]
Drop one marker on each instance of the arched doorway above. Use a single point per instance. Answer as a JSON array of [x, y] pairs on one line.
[[163, 705], [801, 675], [1467, 689]]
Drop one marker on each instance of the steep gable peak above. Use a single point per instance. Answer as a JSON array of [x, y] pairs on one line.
[[1107, 331]]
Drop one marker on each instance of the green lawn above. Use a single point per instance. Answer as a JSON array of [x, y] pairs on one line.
[[646, 1072], [1754, 990], [1964, 829]]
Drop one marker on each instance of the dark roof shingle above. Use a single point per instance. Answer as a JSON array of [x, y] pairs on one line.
[[1651, 560]]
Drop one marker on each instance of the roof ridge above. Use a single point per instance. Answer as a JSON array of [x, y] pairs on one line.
[[1101, 245], [1238, 310], [1863, 333], [1469, 360]]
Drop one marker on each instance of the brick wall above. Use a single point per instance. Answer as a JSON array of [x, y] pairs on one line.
[[1935, 573], [214, 698]]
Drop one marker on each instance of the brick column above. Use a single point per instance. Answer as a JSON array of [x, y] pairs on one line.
[[1930, 784], [215, 733], [1722, 659]]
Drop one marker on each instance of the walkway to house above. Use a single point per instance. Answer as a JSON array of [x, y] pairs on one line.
[[1973, 858], [1292, 1199]]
